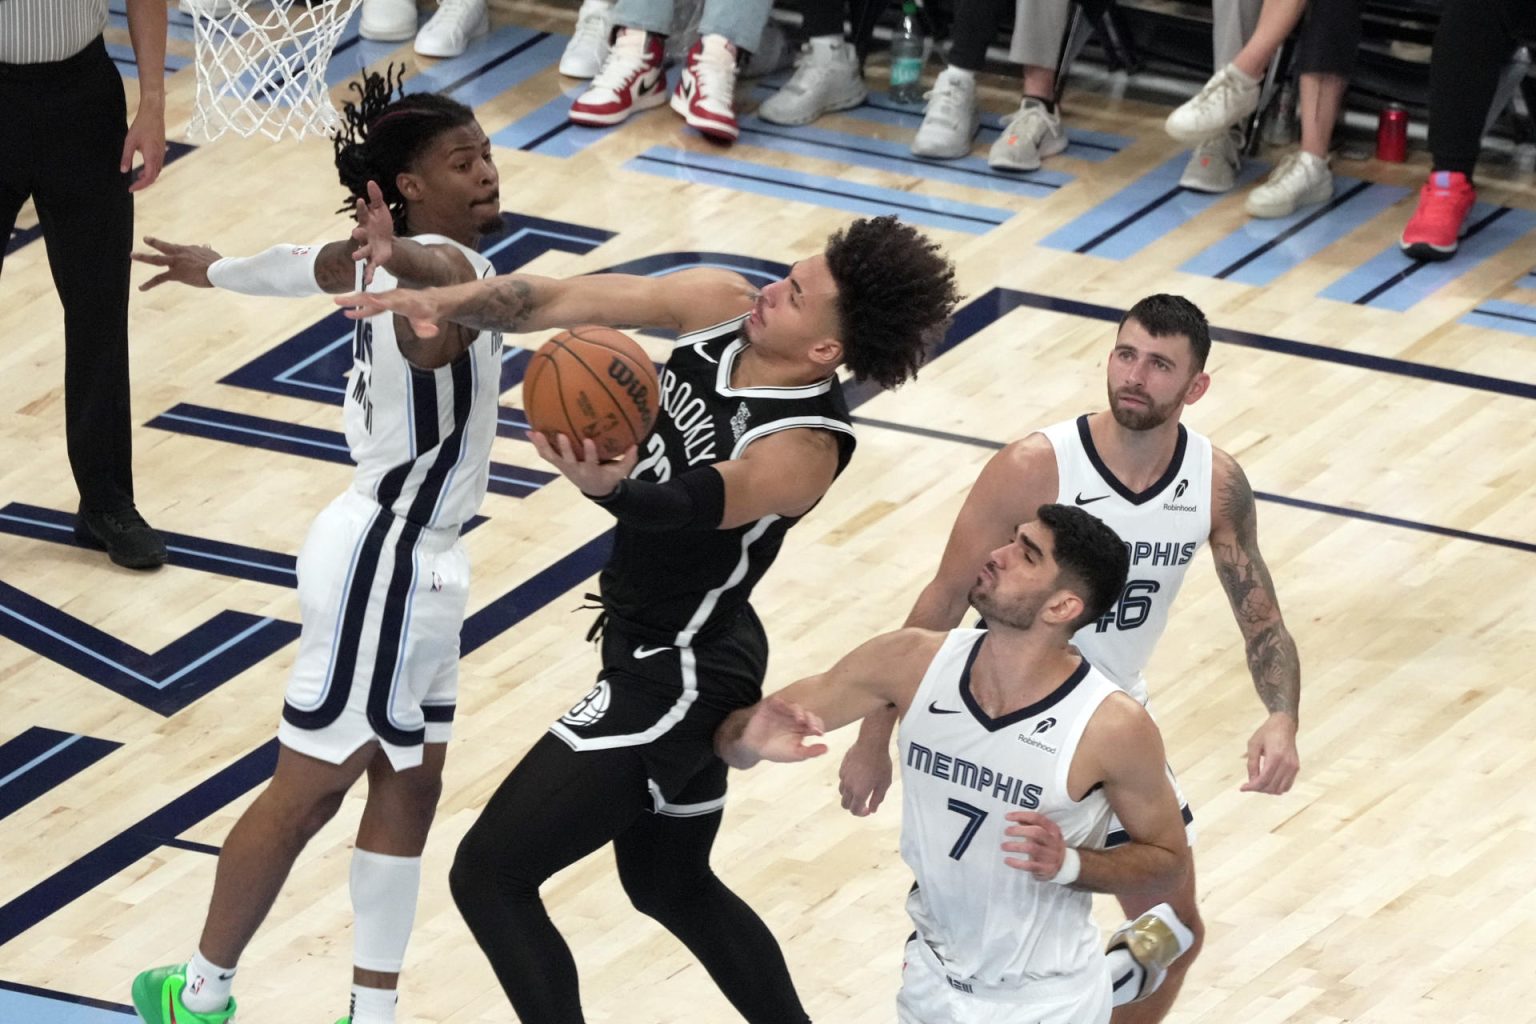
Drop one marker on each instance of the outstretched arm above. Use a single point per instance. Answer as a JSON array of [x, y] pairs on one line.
[[879, 673], [1015, 483], [519, 303], [1272, 659], [299, 270]]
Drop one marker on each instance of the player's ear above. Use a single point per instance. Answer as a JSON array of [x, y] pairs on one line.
[[1062, 608], [409, 185], [827, 353], [1198, 385]]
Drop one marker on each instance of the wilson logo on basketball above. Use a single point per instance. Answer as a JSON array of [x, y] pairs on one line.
[[635, 388]]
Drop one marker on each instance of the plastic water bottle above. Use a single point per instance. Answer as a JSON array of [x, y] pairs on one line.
[[907, 57]]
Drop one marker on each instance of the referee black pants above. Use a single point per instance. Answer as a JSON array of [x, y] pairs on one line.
[[61, 140]]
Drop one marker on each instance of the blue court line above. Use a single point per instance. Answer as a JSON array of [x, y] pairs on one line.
[[21, 236], [24, 1004], [164, 681], [1261, 250], [311, 442], [142, 838], [896, 158], [191, 847], [40, 759], [1498, 315], [991, 306], [1279, 499], [184, 811], [1528, 281], [236, 560], [501, 73], [880, 109], [817, 189], [549, 131], [1144, 211], [1391, 280]]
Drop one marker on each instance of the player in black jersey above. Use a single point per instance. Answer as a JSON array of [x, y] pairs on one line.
[[752, 431]]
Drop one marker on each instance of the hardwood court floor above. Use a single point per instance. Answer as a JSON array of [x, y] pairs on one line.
[[1386, 429]]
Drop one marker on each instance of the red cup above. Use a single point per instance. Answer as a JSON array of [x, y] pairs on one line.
[[1392, 134]]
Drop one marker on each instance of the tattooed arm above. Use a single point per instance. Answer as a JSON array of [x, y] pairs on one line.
[[517, 303], [1272, 659]]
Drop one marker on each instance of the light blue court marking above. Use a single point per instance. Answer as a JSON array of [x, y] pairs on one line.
[[37, 1007], [814, 188], [1393, 281], [1262, 250], [880, 109], [896, 158], [491, 65], [1139, 214], [1499, 315], [1528, 281], [236, 428], [57, 748], [549, 131]]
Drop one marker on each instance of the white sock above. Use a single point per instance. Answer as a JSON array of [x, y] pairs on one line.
[[373, 1005], [208, 985], [960, 73], [1125, 974], [1245, 76], [827, 42]]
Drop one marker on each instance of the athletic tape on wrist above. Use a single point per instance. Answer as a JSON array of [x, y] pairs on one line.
[[1071, 865]]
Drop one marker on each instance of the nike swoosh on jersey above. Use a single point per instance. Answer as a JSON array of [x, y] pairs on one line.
[[641, 653], [933, 706], [1088, 501]]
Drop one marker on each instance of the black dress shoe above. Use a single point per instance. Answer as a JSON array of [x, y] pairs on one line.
[[127, 539]]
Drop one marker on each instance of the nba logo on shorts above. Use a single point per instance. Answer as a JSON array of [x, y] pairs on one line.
[[590, 708]]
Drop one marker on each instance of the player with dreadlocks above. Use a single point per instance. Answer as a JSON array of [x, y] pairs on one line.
[[383, 578]]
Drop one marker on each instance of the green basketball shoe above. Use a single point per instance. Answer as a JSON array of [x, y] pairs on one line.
[[157, 997]]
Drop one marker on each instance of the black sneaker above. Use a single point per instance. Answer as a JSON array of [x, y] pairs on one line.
[[127, 539]]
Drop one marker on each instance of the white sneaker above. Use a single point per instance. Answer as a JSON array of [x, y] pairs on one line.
[[387, 21], [1301, 180], [451, 29], [1030, 135], [588, 48], [1214, 164], [706, 90], [1221, 103], [826, 78], [950, 119], [222, 8]]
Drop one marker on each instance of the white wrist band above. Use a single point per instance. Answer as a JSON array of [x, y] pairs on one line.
[[283, 270], [1071, 864]]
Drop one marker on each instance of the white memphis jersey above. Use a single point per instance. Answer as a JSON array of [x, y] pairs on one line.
[[422, 438], [1164, 527], [962, 772]]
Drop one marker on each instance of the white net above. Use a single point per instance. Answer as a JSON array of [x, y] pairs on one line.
[[261, 66]]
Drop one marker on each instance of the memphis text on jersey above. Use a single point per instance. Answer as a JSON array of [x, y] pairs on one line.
[[978, 778]]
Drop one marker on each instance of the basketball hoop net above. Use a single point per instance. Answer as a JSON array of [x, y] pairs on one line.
[[261, 66]]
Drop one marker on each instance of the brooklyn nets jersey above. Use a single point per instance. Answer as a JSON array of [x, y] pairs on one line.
[[422, 438], [1164, 528], [679, 585], [962, 772]]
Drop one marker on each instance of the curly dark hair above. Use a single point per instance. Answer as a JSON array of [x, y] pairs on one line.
[[1166, 315], [1090, 554], [895, 295], [385, 131]]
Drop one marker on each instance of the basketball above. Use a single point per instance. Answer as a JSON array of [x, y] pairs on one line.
[[592, 382]]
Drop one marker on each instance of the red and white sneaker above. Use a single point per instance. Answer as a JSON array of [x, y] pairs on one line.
[[706, 92], [632, 79], [1436, 227]]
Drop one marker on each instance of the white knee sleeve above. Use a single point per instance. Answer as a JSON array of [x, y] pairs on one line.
[[383, 908]]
